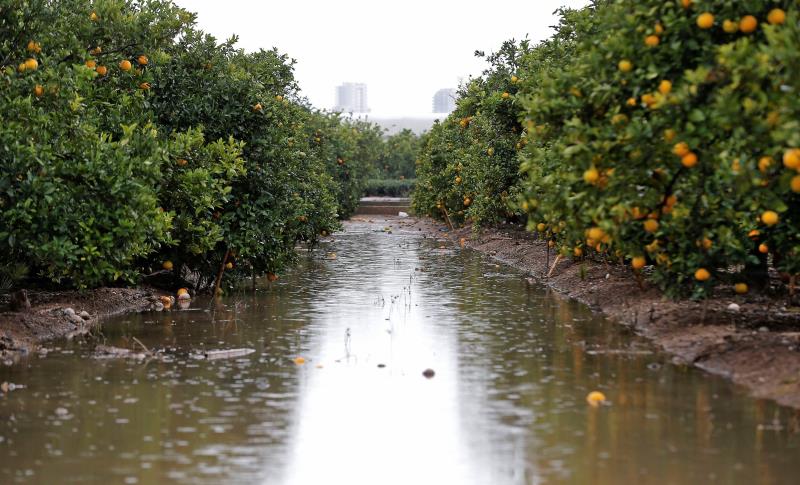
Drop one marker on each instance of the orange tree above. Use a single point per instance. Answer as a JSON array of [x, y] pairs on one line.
[[468, 166], [130, 139], [668, 136]]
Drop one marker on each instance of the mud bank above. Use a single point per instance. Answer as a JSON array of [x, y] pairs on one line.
[[48, 318], [756, 346]]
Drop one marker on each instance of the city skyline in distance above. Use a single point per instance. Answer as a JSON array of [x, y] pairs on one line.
[[403, 52]]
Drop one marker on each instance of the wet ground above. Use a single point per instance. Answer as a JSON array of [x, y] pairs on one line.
[[369, 312]]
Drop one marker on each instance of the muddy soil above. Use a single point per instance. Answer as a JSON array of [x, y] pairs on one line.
[[756, 346], [48, 318]]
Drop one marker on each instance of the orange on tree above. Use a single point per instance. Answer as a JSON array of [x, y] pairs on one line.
[[228, 265], [638, 262], [31, 64], [776, 16], [625, 65], [258, 107], [730, 26], [705, 20], [770, 218], [96, 51], [791, 158], [505, 95], [763, 248], [142, 60], [38, 91], [665, 87], [182, 162], [102, 70], [541, 227], [652, 41], [631, 102], [650, 225], [125, 65], [686, 3], [596, 234], [591, 176], [669, 135], [702, 274], [764, 163], [458, 179], [681, 149], [748, 24], [689, 160], [94, 17], [659, 29], [795, 183], [144, 86]]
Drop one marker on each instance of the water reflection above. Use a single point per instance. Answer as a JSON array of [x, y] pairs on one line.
[[513, 365]]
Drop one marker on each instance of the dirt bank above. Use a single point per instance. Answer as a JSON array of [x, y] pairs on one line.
[[756, 346], [49, 319]]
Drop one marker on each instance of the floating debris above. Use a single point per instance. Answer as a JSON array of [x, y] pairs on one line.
[[299, 360], [226, 354], [596, 398], [428, 373]]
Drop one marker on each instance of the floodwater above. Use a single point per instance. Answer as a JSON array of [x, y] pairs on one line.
[[507, 405]]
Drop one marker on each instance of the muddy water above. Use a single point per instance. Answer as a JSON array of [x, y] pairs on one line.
[[513, 364]]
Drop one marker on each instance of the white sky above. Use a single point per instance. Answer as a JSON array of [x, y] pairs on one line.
[[404, 51]]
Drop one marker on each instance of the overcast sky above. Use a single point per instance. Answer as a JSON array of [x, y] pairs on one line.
[[404, 51]]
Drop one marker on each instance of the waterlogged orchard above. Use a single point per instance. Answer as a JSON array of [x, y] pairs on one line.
[[132, 141], [664, 135]]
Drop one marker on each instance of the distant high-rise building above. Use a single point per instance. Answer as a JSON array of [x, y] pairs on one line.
[[351, 98], [444, 101]]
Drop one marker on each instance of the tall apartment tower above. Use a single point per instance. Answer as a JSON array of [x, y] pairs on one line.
[[351, 97], [444, 101]]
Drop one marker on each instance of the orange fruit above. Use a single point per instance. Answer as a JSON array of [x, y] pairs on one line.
[[669, 135], [102, 70], [94, 17], [650, 225], [467, 201], [144, 86], [299, 360], [279, 98], [763, 248], [748, 24], [665, 87], [91, 64], [595, 398], [490, 151], [596, 234], [740, 288], [578, 252], [228, 265], [686, 3], [776, 16], [707, 243], [142, 60], [681, 149], [182, 162], [38, 91], [638, 262], [96, 51], [541, 227], [705, 20], [167, 265], [514, 79], [689, 160], [125, 65], [770, 218], [505, 95], [652, 41], [182, 291], [631, 102], [764, 163], [791, 158], [795, 183], [625, 65], [702, 274], [730, 26], [591, 176], [458, 180], [257, 107], [31, 64], [659, 29]]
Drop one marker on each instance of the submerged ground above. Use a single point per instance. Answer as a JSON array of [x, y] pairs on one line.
[[368, 312]]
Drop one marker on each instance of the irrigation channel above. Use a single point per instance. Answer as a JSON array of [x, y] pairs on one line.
[[369, 311]]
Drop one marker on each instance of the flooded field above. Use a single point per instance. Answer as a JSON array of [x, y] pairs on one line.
[[334, 391]]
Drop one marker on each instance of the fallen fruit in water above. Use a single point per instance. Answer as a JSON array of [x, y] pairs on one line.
[[596, 398]]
